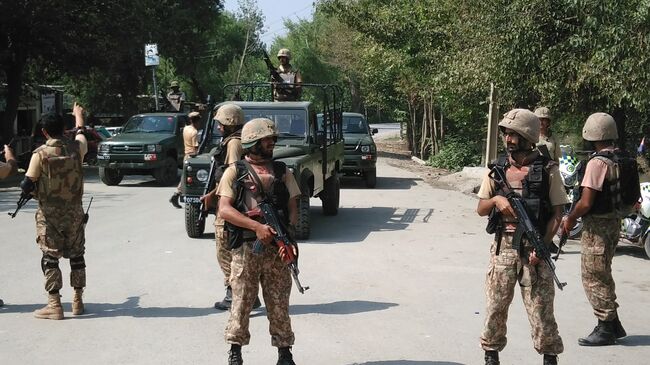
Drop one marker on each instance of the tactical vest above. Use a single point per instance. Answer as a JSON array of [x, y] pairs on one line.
[[535, 190], [278, 195], [61, 180], [289, 93], [609, 198], [221, 155]]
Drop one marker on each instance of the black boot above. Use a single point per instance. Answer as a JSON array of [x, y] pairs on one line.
[[492, 358], [550, 359], [174, 200], [619, 331], [234, 355], [225, 304], [602, 335], [285, 357]]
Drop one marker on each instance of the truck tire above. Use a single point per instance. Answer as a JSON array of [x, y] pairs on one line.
[[167, 174], [331, 195], [110, 177], [192, 214], [303, 226], [371, 178]]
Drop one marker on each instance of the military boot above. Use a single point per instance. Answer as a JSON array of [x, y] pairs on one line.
[[225, 304], [174, 200], [234, 355], [550, 359], [619, 331], [52, 310], [492, 358], [285, 357], [602, 335], [77, 302]]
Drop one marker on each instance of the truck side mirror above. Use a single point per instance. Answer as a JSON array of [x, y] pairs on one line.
[[375, 131]]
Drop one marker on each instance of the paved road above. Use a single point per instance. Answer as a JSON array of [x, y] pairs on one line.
[[396, 279]]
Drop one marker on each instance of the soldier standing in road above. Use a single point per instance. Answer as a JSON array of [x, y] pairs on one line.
[[6, 169], [238, 199], [600, 232], [175, 97], [55, 178], [508, 266], [290, 75], [545, 135], [231, 120], [191, 145]]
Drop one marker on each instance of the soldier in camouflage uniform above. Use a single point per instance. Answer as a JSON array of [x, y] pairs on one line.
[[176, 97], [238, 206], [290, 75], [546, 137], [7, 168], [190, 145], [55, 178], [600, 230], [509, 266]]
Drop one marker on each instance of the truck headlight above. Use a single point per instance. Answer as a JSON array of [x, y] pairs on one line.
[[202, 175], [104, 148], [365, 149], [153, 148]]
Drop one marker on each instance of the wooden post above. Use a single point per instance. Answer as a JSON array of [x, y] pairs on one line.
[[493, 128]]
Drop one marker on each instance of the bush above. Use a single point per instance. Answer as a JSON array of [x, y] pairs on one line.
[[455, 154]]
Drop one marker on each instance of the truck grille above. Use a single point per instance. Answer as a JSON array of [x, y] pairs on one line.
[[127, 148]]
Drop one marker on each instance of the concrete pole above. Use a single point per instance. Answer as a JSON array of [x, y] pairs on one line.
[[493, 128]]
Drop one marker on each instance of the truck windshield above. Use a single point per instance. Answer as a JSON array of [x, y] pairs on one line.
[[354, 125], [289, 122], [149, 124]]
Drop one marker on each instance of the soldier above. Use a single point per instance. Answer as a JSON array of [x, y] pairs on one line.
[[6, 169], [238, 198], [545, 135], [191, 143], [523, 164], [55, 178], [175, 97], [600, 232], [290, 75]]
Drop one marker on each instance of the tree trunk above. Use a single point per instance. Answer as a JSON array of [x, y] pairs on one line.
[[198, 91]]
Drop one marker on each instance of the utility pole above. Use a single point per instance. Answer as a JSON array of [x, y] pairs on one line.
[[493, 127]]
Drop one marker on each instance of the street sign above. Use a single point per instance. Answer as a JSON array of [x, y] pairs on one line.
[[151, 57]]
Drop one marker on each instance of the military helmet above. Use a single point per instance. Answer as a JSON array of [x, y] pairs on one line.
[[522, 121], [257, 129], [230, 114], [284, 52], [543, 112], [173, 84], [600, 127]]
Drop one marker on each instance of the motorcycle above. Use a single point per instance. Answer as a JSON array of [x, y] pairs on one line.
[[635, 227], [569, 166]]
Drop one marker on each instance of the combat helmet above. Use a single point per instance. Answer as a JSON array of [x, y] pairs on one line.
[[543, 112], [600, 127], [230, 114], [257, 129], [173, 84], [522, 121], [284, 52]]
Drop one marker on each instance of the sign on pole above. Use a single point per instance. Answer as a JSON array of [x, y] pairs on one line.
[[151, 57]]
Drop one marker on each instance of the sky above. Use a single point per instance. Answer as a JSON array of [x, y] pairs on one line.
[[275, 12]]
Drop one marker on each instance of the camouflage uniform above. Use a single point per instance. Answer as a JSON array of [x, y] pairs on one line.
[[59, 218], [599, 240], [537, 292]]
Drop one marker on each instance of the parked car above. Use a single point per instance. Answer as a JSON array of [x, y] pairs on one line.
[[150, 144], [94, 138]]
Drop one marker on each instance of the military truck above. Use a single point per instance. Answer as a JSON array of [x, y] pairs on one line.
[[313, 151], [149, 144]]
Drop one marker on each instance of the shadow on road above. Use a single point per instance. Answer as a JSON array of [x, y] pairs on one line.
[[8, 199], [630, 250], [635, 340], [408, 362], [129, 308], [383, 182], [354, 224], [340, 308]]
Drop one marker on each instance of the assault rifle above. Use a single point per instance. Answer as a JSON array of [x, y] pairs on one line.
[[209, 185], [525, 224], [24, 198], [275, 76], [282, 240]]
